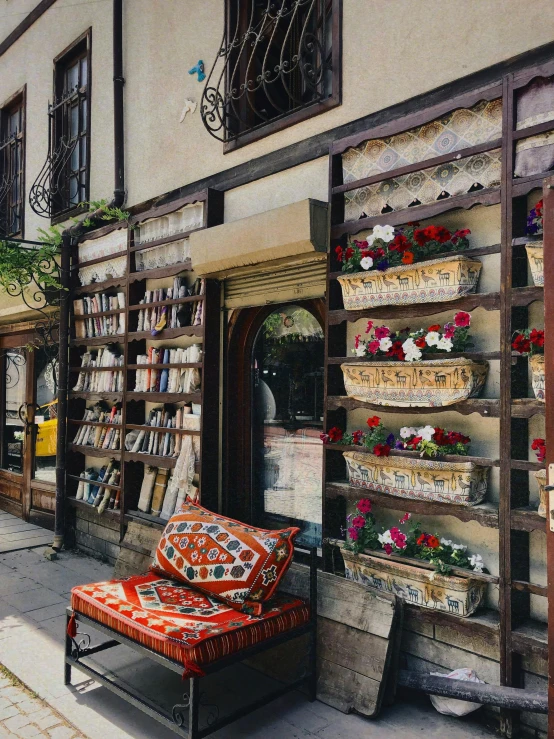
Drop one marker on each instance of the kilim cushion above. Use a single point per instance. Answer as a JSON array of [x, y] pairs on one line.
[[175, 620], [241, 565]]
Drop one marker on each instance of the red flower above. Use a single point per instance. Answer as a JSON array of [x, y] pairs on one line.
[[353, 533], [421, 237], [335, 434], [433, 542], [357, 340], [408, 257], [381, 450], [521, 344], [439, 437], [420, 342], [537, 443], [373, 421], [400, 243], [434, 327], [462, 233], [338, 252], [405, 517], [387, 548], [537, 337], [324, 438], [422, 539], [364, 505], [357, 437], [369, 326], [358, 522], [462, 319], [349, 253], [437, 233]]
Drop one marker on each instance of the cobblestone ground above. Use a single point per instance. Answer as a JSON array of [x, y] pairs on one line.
[[25, 716]]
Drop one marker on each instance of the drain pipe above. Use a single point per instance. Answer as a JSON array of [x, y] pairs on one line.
[[70, 237]]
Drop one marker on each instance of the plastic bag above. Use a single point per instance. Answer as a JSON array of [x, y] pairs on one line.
[[453, 706]]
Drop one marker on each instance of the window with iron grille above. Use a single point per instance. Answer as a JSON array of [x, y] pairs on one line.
[[70, 129], [12, 164], [278, 64]]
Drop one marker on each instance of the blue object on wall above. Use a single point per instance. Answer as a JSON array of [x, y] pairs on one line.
[[199, 70]]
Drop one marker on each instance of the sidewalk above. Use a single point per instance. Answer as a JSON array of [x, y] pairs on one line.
[[34, 593]]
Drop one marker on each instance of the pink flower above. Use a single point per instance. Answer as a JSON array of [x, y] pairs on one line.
[[381, 332], [400, 540], [357, 341], [369, 326], [359, 522], [353, 533], [462, 319], [449, 330], [387, 548], [405, 517], [373, 347], [364, 505]]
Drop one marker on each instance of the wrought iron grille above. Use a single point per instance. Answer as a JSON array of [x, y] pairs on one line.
[[275, 59], [62, 183], [11, 172]]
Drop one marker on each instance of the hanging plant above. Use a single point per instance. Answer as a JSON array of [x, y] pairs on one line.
[[21, 266]]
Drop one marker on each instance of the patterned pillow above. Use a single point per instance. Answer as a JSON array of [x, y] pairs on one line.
[[238, 564]]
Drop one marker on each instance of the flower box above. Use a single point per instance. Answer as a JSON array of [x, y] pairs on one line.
[[462, 483], [460, 596], [435, 281], [540, 477], [534, 251], [425, 384], [537, 378]]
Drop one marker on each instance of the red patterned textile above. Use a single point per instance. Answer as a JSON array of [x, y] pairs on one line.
[[238, 564], [175, 620]]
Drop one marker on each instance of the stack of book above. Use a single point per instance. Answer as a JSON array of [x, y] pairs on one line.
[[159, 442], [171, 316], [90, 488], [87, 328], [101, 382], [168, 380], [100, 437]]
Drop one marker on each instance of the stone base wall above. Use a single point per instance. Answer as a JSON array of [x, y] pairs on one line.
[[96, 535]]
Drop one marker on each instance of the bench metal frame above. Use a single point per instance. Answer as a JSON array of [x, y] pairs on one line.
[[184, 718]]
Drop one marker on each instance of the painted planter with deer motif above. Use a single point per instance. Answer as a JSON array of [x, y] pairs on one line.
[[462, 483], [537, 376], [534, 251], [460, 596], [423, 384], [540, 477], [435, 281]]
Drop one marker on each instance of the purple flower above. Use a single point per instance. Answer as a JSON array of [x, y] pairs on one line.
[[390, 439], [399, 444], [383, 265]]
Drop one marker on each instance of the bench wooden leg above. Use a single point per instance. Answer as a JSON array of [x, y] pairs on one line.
[[312, 681], [67, 667], [194, 687]]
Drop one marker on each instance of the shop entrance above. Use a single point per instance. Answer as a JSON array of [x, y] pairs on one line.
[[275, 417], [28, 427]]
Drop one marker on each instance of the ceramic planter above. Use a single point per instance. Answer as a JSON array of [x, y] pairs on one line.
[[462, 483], [540, 477], [460, 596], [435, 281], [424, 384], [537, 378], [534, 255]]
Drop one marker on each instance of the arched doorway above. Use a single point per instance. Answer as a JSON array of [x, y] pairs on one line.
[[274, 417]]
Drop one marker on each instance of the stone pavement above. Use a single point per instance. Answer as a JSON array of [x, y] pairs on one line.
[[34, 593], [24, 715]]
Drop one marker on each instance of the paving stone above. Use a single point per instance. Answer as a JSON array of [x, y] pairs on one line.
[[62, 732], [47, 721], [17, 722], [8, 712], [29, 732], [15, 583], [13, 694], [33, 599], [47, 612], [30, 706]]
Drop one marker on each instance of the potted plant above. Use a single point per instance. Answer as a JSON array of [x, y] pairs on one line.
[[384, 269], [436, 589], [422, 382], [415, 471], [530, 341], [534, 248], [539, 447]]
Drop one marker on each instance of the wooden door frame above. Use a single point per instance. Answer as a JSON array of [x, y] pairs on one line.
[[242, 330]]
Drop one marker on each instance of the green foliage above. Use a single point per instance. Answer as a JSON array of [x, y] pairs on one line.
[[52, 235], [21, 266], [110, 214]]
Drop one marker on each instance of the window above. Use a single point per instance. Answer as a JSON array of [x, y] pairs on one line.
[[281, 65], [12, 163], [13, 388], [69, 177]]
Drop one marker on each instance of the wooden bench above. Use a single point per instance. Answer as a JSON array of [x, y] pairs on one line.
[[126, 611]]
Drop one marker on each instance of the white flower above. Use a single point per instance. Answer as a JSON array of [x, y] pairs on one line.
[[445, 344], [459, 547], [378, 232], [476, 561], [432, 338], [385, 538], [385, 344], [387, 233], [407, 431], [426, 433], [360, 350], [366, 263], [371, 239], [411, 351], [446, 542]]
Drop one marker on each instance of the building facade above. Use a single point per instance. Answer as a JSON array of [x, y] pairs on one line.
[[242, 155]]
